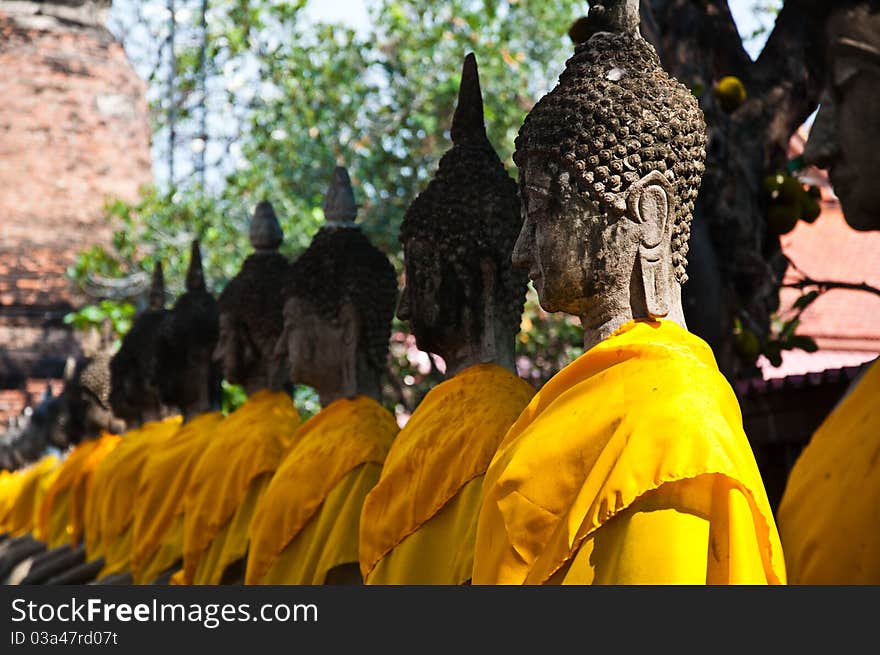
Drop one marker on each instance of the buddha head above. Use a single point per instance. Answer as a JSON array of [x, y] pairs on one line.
[[845, 137], [86, 410], [610, 162], [250, 320], [187, 376], [339, 299], [134, 396], [461, 290]]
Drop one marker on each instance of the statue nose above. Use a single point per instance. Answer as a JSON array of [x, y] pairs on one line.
[[521, 257]]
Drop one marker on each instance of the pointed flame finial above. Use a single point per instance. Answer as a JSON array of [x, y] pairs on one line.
[[468, 126], [157, 288], [265, 233], [618, 16], [195, 276], [339, 205]]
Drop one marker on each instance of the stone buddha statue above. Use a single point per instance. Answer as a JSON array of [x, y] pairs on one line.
[[86, 411], [250, 310], [845, 133], [247, 446], [610, 165], [463, 301], [24, 449], [611, 474], [339, 299], [82, 418], [134, 397], [828, 515], [187, 375], [465, 305], [187, 378]]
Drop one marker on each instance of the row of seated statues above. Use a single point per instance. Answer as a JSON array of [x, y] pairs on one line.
[[629, 466]]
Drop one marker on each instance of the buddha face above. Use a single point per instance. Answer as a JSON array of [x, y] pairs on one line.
[[432, 300], [235, 352], [564, 241], [316, 350], [183, 382], [85, 416], [845, 138]]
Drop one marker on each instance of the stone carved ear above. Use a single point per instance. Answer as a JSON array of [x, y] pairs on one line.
[[649, 205]]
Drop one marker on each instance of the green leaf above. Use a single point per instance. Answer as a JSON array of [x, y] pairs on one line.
[[788, 329], [806, 300]]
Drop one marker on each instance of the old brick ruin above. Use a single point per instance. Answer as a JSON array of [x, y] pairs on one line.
[[73, 131]]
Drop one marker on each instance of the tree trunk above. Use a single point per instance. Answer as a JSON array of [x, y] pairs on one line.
[[736, 264]]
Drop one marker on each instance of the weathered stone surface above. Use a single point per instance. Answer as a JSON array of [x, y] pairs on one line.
[[73, 131]]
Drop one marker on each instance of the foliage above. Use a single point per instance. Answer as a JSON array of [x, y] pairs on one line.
[[307, 97], [233, 397], [546, 342], [264, 103], [783, 334]]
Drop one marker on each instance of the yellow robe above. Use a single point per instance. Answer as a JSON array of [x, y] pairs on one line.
[[52, 516], [630, 466], [158, 516], [227, 482], [79, 491], [10, 482], [419, 523], [46, 482], [112, 496], [20, 517], [306, 523], [829, 516]]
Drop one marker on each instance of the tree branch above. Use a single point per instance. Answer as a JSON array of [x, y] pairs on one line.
[[827, 285], [789, 75], [700, 40]]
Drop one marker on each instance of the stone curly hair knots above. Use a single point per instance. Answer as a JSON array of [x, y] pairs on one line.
[[253, 297], [470, 210], [138, 349], [94, 376], [614, 116], [342, 266]]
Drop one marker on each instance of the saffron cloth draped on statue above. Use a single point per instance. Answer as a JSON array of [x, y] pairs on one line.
[[418, 523], [9, 484], [112, 496], [307, 522], [82, 484], [158, 516], [46, 482], [53, 514], [228, 481], [629, 466], [829, 516], [20, 516]]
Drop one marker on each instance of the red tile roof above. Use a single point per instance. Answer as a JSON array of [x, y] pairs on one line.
[[844, 323]]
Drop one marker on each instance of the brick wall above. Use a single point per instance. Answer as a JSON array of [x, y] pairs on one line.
[[73, 131]]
